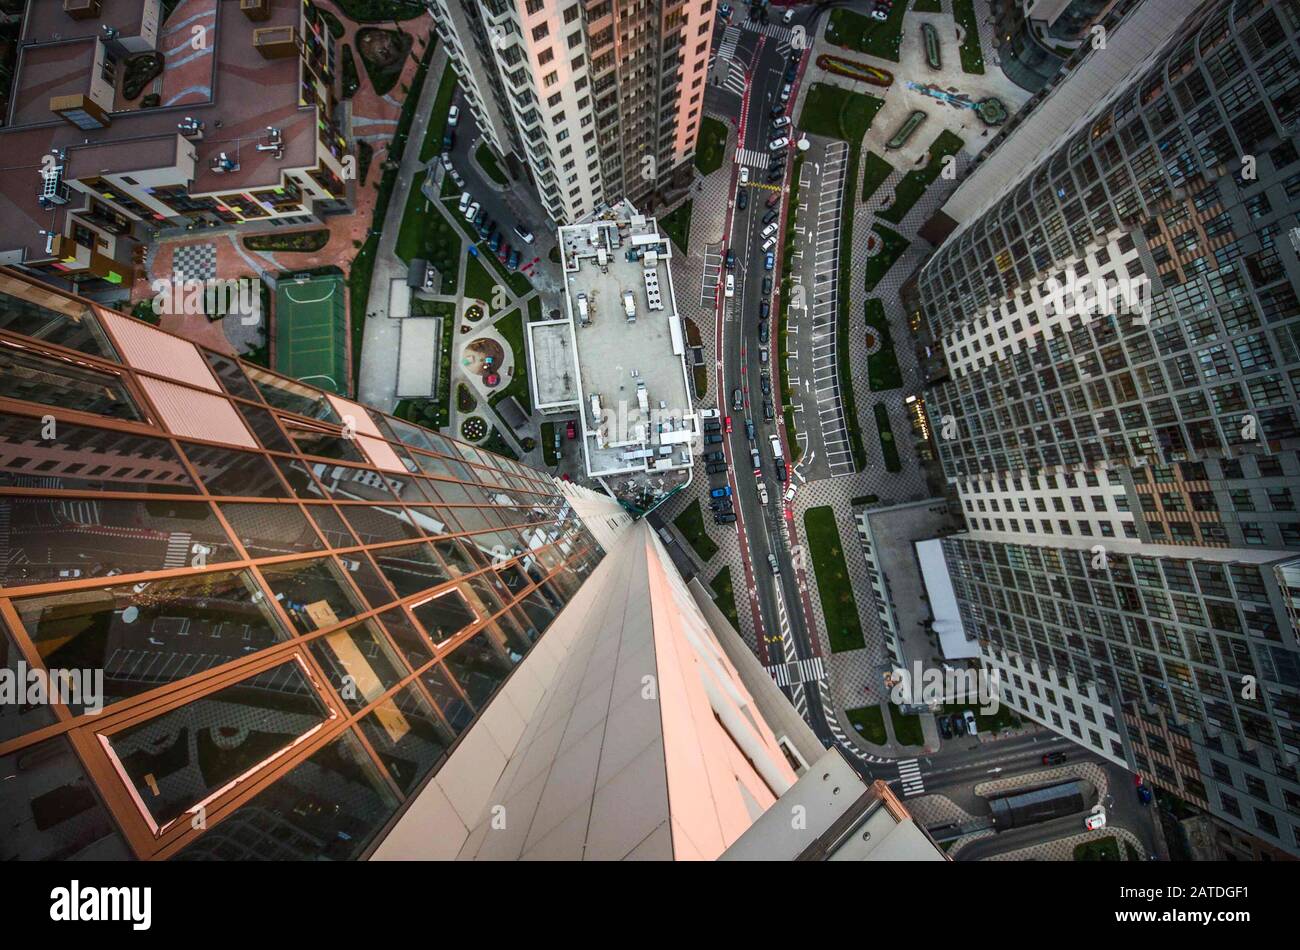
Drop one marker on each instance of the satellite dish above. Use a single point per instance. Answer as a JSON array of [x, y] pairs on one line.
[[130, 614]]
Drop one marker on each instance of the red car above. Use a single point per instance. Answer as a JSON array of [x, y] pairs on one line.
[[726, 424], [570, 430], [503, 253]]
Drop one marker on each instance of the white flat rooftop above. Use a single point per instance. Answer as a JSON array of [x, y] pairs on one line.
[[631, 389]]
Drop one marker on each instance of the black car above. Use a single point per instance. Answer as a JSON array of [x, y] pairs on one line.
[[714, 457], [720, 504], [764, 309], [958, 724], [945, 730], [725, 517], [774, 175], [771, 216], [716, 468], [767, 410], [762, 333], [765, 384], [778, 110], [774, 200], [713, 426], [1054, 758], [742, 200], [731, 259], [780, 471], [713, 438], [791, 72], [767, 286]]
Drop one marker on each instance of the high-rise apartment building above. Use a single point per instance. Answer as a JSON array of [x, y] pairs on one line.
[[1117, 411], [597, 100], [244, 618], [121, 121]]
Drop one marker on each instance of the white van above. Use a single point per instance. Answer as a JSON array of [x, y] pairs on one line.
[[769, 243], [711, 413], [731, 285], [464, 202], [770, 229]]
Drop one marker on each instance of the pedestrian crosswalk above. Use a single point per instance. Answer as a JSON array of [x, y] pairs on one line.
[[782, 34], [736, 78], [754, 158], [910, 774], [727, 48], [799, 671]]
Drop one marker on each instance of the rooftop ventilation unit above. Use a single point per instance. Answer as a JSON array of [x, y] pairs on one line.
[[191, 128], [224, 163], [256, 10], [54, 190]]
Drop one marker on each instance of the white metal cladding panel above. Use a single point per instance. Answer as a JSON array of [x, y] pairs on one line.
[[381, 454], [361, 421], [199, 415], [154, 351]]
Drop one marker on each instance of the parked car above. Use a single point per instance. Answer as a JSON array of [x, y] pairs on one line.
[[712, 438], [780, 470], [724, 11], [779, 142], [716, 468], [778, 110], [762, 355], [513, 263], [465, 199], [744, 174], [787, 16], [731, 259], [453, 116], [503, 253], [472, 211], [723, 491], [762, 333], [767, 410], [726, 424], [769, 243], [770, 229], [765, 384], [749, 429], [730, 289], [1093, 822], [571, 429], [757, 461], [791, 72], [494, 245], [774, 200], [774, 176], [764, 308], [737, 400], [714, 457], [713, 425], [971, 726], [742, 200], [958, 724], [711, 412], [945, 730], [769, 260], [1054, 758], [767, 286], [724, 517], [771, 216], [524, 234], [780, 122]]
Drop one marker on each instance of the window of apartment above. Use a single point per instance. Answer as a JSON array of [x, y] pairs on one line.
[[550, 79], [574, 40], [541, 32], [571, 13], [545, 56]]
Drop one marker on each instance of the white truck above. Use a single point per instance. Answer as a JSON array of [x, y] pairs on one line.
[[776, 448], [762, 493], [629, 305], [582, 308]]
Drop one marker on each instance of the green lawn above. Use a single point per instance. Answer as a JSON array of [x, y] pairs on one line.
[[869, 723], [874, 175], [712, 143], [490, 165], [535, 309], [914, 183], [426, 233], [783, 316], [677, 225], [894, 246], [496, 443], [886, 433], [1102, 849], [855, 31], [843, 628], [837, 113], [726, 596], [882, 366], [549, 455], [479, 282], [972, 56], [511, 326], [437, 126], [691, 525], [907, 727]]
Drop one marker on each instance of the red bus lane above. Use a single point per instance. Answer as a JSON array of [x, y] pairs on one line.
[[787, 508]]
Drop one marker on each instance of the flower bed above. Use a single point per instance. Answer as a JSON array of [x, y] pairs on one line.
[[852, 69]]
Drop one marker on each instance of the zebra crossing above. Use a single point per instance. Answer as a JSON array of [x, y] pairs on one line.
[[910, 774], [726, 50], [753, 157], [798, 671], [845, 743], [178, 550], [737, 78]]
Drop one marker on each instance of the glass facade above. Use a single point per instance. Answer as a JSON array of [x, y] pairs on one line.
[[270, 634]]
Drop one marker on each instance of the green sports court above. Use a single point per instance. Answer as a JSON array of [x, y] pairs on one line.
[[311, 330]]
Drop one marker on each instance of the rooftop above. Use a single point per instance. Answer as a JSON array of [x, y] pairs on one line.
[[623, 338]]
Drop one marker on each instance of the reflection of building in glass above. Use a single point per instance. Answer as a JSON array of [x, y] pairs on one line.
[[315, 624], [1129, 474]]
